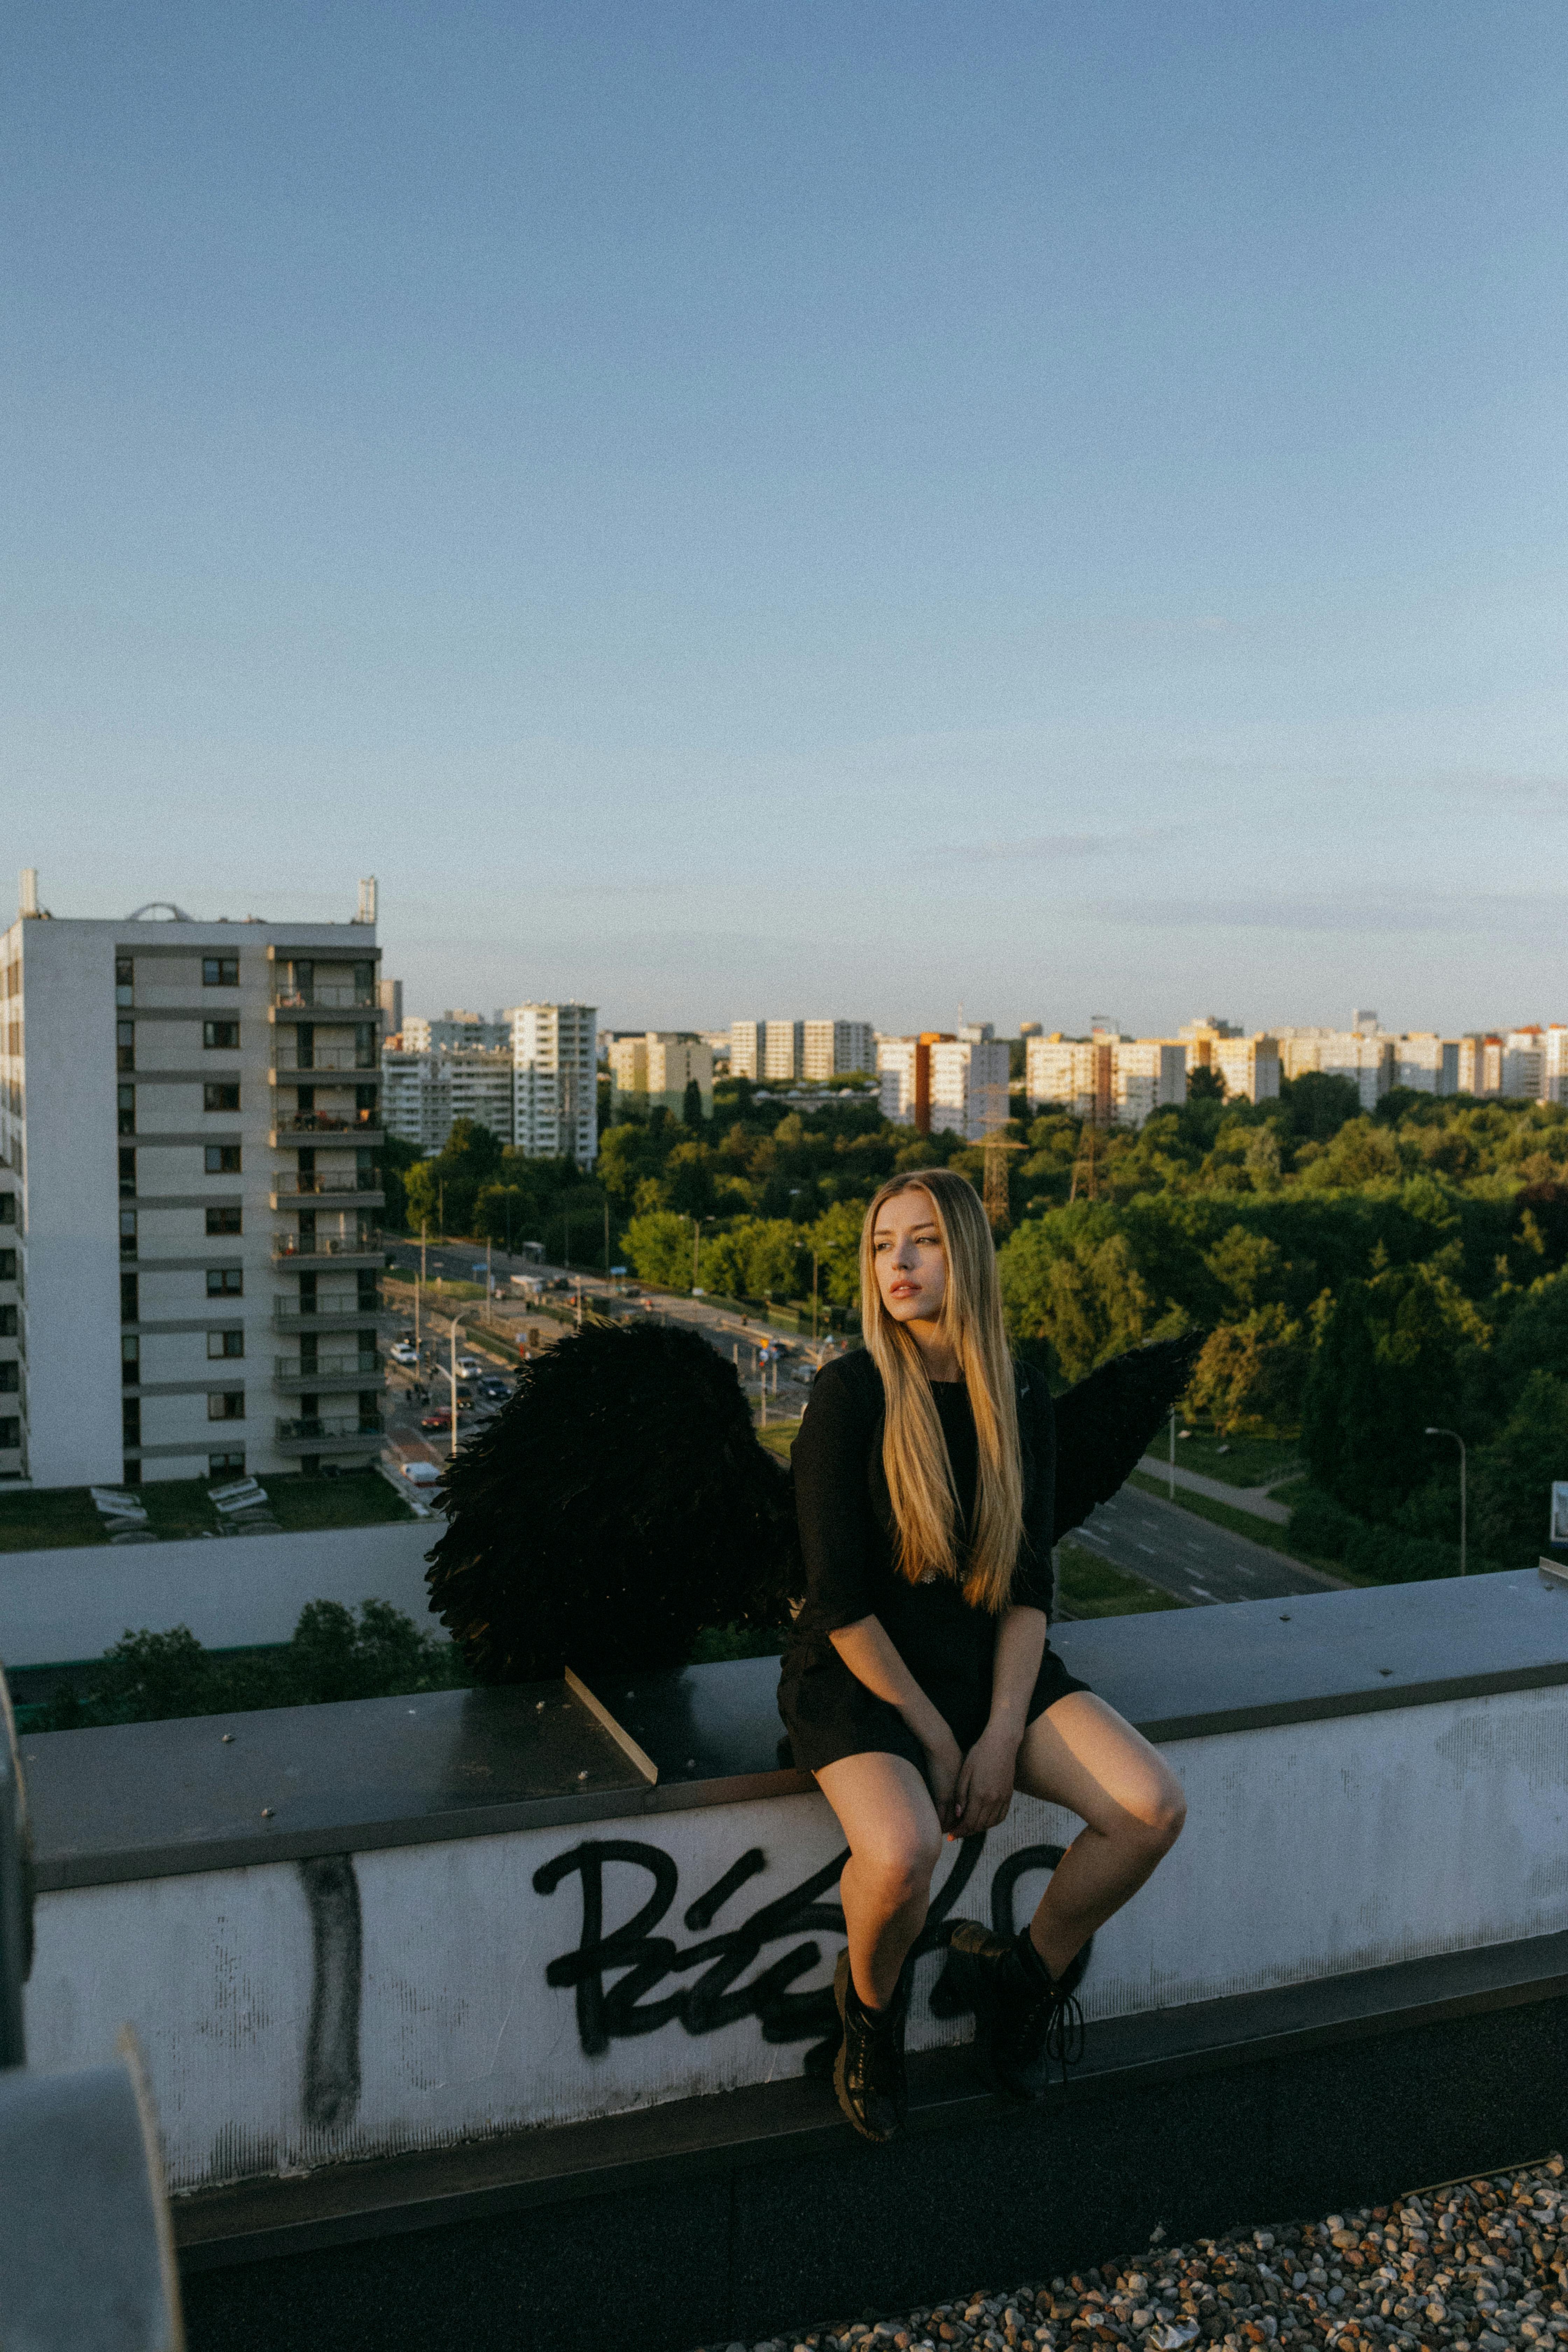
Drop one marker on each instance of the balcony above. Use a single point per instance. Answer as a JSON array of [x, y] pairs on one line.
[[365, 1188], [331, 1372], [356, 1432], [303, 1248], [287, 1004], [365, 1126], [332, 1315], [322, 1060]]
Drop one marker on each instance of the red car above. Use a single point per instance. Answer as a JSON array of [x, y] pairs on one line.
[[437, 1421]]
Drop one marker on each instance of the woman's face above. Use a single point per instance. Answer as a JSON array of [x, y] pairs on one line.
[[910, 1263]]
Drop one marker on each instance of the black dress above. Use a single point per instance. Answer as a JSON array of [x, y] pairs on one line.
[[847, 1534]]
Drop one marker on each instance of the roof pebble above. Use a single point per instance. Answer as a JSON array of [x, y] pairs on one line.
[[1477, 2265]]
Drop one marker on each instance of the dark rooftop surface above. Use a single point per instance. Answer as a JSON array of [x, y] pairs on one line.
[[148, 1799]]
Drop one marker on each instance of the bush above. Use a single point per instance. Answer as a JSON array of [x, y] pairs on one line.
[[1394, 1559], [1321, 1526], [148, 1677]]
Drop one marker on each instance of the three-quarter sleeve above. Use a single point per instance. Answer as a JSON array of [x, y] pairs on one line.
[[832, 1500], [1033, 1585]]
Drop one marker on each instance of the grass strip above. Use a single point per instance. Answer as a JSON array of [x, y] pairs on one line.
[[1090, 1587]]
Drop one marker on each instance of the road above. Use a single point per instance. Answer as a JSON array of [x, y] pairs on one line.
[[1185, 1556]]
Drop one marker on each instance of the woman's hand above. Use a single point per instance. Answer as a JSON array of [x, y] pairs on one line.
[[944, 1762], [985, 1790]]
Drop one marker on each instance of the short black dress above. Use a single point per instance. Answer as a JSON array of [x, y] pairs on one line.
[[847, 1534]]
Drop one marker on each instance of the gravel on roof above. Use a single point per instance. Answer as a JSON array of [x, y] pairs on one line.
[[1477, 2265]]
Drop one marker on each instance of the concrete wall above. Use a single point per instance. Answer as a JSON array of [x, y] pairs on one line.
[[348, 2006], [66, 1604]]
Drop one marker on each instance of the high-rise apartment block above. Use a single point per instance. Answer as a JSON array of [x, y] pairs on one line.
[[555, 1081], [652, 1072], [833, 1049], [424, 1094], [189, 1261], [457, 1031], [1426, 1062], [777, 1053], [1116, 1081], [940, 1083], [1365, 1057], [389, 997]]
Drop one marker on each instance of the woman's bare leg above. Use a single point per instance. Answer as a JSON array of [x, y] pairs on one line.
[[895, 1840], [1080, 1754]]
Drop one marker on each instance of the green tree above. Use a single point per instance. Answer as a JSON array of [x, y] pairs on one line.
[[1075, 1291], [1386, 1366], [1512, 1476], [1250, 1374], [658, 1245], [692, 1105], [1317, 1104], [836, 1238], [1204, 1085]]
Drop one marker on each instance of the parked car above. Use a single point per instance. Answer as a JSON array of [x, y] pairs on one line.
[[403, 1352], [422, 1474], [435, 1421]]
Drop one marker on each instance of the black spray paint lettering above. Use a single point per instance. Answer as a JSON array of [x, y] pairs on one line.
[[332, 2042], [639, 1961]]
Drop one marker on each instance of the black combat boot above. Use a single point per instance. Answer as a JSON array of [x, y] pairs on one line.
[[1024, 2017], [868, 2072]]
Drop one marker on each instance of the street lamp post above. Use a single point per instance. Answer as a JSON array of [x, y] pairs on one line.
[[458, 1314], [1460, 1443]]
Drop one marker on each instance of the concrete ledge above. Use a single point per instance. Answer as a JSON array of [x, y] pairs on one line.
[[766, 2122]]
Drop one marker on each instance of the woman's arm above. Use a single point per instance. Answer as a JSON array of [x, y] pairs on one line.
[[872, 1659], [984, 1788]]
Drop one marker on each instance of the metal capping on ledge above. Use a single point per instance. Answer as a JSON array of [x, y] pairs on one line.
[[215, 1792]]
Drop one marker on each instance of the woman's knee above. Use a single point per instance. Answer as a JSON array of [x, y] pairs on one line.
[[1164, 1815], [901, 1867]]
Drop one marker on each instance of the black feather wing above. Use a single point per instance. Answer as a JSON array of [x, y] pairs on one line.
[[1105, 1424], [618, 1502]]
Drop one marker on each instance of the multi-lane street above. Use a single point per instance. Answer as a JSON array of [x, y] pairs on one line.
[[1186, 1556]]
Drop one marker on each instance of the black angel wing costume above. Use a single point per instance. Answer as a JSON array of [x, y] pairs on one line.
[[621, 1500]]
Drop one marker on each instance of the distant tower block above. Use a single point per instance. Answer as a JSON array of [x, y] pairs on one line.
[[366, 913]]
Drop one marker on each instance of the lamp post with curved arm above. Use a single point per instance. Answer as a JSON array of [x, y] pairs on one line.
[[458, 1314], [1460, 1443]]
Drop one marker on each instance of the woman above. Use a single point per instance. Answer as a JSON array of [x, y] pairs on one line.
[[918, 1686]]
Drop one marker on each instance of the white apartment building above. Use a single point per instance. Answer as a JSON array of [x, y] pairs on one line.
[[832, 1049], [424, 1094], [555, 1081], [1365, 1057], [939, 1083], [1118, 1081], [1556, 1076], [1426, 1062], [769, 1052], [1523, 1074], [1480, 1062], [190, 1132], [652, 1072], [455, 1032], [389, 997], [1249, 1065]]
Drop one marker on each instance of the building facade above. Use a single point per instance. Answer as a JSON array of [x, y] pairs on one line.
[[833, 1049], [940, 1083], [1365, 1057], [1112, 1080], [189, 1267], [555, 1081], [652, 1072], [1426, 1062], [424, 1094]]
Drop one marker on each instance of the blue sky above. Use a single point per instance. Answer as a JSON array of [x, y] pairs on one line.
[[764, 509]]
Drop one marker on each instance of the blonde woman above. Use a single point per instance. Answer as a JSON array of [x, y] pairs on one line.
[[920, 1686]]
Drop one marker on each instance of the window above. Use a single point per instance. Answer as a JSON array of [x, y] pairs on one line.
[[10, 1432], [226, 1282], [222, 1160], [124, 980], [369, 1299], [129, 1359], [133, 1472], [127, 1233], [131, 1421], [127, 1174], [10, 1377], [125, 1045], [226, 1404], [364, 982], [364, 1046], [364, 1105], [222, 1096], [7, 1322], [220, 971], [130, 1301], [8, 1265], [8, 1207], [223, 1220], [127, 1110], [233, 1459], [226, 1343], [222, 1034]]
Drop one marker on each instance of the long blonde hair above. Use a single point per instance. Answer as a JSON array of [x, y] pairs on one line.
[[914, 1453]]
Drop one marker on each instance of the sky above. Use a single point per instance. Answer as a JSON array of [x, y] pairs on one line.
[[790, 510]]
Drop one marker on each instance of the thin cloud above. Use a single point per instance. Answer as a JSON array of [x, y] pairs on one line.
[[1500, 916], [1051, 848]]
